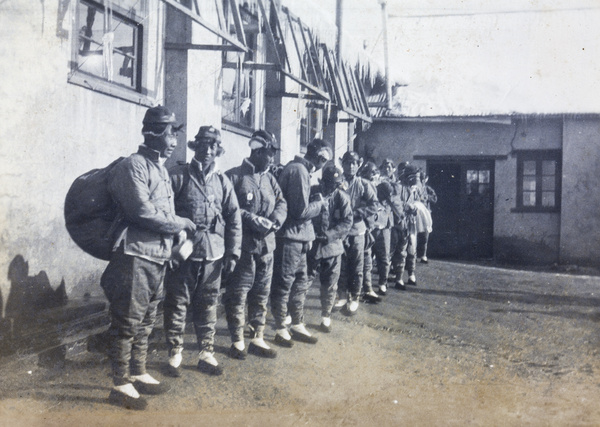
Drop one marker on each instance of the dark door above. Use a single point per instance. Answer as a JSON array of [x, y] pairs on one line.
[[463, 217]]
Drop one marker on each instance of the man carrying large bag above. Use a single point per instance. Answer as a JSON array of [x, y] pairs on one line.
[[133, 279]]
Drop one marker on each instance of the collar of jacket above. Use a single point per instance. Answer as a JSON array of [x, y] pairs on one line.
[[308, 165], [351, 180], [196, 166], [248, 168], [148, 152]]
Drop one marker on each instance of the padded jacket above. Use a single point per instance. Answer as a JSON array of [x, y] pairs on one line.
[[295, 186], [141, 188], [258, 194], [334, 222], [208, 199]]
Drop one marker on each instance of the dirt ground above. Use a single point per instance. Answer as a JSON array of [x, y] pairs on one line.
[[468, 345]]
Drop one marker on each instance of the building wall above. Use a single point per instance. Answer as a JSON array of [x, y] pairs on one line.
[[53, 131], [580, 224], [518, 237]]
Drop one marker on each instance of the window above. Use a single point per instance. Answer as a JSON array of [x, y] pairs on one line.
[[478, 181], [538, 181], [240, 82], [108, 43], [311, 126]]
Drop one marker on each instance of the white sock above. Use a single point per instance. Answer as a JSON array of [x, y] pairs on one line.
[[239, 345], [176, 359], [208, 358], [301, 329], [146, 378], [128, 389], [260, 342], [284, 333]]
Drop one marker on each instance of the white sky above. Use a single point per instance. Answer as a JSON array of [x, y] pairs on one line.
[[486, 57]]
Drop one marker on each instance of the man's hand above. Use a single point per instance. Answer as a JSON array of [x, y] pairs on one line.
[[229, 263], [261, 224], [190, 226]]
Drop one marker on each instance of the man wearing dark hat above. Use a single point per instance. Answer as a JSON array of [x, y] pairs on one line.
[[331, 228], [133, 279], [405, 228], [290, 282], [204, 195], [263, 210], [364, 207]]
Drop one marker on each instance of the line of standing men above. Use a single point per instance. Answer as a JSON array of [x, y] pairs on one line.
[[243, 227]]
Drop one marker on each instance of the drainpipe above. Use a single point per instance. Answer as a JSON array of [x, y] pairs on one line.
[[339, 18], [388, 84]]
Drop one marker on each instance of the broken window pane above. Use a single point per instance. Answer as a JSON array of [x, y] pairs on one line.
[[107, 45]]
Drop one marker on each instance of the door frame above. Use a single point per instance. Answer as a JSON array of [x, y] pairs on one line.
[[464, 162]]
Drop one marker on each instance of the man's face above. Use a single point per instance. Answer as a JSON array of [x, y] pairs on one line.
[[350, 168], [323, 157], [166, 143], [411, 179], [388, 170], [262, 158], [206, 152]]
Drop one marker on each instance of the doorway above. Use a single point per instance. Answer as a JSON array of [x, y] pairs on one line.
[[463, 217]]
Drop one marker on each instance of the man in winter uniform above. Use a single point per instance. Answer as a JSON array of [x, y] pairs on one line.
[[290, 282], [370, 173], [204, 195], [263, 210], [364, 206], [331, 228], [405, 226], [133, 279]]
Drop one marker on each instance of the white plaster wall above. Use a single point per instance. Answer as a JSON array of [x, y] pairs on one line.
[[236, 149], [51, 132], [580, 226]]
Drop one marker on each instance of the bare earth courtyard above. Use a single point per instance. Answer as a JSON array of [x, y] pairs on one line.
[[468, 345]]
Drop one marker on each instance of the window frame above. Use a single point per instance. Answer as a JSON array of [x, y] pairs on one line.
[[251, 30], [539, 156], [134, 93]]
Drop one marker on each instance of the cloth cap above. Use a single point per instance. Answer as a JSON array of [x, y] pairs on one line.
[[368, 170], [209, 132], [159, 115], [263, 139], [384, 191], [351, 156], [333, 175], [410, 170]]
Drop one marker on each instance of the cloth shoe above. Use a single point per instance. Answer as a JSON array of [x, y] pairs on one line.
[[400, 285], [267, 353], [325, 324], [382, 289], [281, 340], [236, 353], [208, 364], [340, 303], [173, 368], [371, 297], [352, 307], [424, 260], [124, 400], [412, 280], [146, 384], [299, 333]]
